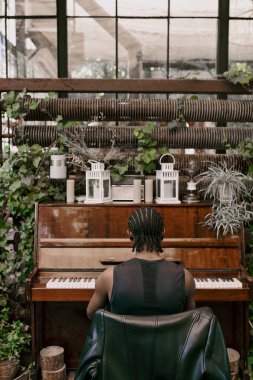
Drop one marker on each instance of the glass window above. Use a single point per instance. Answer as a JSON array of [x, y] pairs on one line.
[[240, 41], [2, 8], [2, 56], [144, 8], [91, 45], [143, 43], [192, 48], [31, 8], [91, 8], [121, 39], [32, 48], [2, 50], [240, 8], [196, 8]]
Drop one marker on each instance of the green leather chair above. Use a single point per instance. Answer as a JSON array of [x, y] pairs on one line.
[[184, 346]]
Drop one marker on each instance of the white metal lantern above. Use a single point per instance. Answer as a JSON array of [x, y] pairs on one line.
[[167, 182], [98, 183]]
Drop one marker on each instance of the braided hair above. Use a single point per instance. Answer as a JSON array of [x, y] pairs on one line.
[[146, 225]]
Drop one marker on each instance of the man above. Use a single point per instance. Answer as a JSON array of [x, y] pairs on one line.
[[146, 284]]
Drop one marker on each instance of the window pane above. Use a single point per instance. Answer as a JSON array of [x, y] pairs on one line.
[[241, 8], [32, 48], [143, 46], [192, 48], [31, 8], [2, 50], [91, 45], [195, 8], [2, 8], [240, 41], [143, 8], [91, 8]]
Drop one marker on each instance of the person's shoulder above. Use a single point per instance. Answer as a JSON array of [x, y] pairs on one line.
[[189, 279], [105, 277], [107, 272]]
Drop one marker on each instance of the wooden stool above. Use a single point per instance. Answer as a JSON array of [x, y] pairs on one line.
[[233, 357], [60, 374], [52, 363]]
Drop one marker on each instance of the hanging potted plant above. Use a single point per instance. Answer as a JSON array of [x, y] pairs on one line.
[[228, 190], [224, 184]]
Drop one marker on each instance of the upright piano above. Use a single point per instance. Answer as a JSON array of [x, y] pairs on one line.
[[75, 242]]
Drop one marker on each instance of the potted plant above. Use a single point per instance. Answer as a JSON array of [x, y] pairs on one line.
[[230, 194], [224, 184], [14, 340]]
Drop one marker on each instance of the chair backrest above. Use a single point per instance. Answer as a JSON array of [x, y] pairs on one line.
[[184, 346]]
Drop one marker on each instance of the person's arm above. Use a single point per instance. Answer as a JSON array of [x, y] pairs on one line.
[[100, 296], [190, 291]]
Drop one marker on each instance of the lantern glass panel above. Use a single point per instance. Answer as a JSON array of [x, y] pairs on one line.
[[106, 187], [169, 189], [158, 189], [93, 188]]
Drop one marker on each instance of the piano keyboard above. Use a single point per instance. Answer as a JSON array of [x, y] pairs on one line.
[[89, 283], [71, 283], [217, 283]]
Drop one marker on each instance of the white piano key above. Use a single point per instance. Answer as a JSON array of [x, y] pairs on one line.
[[91, 283], [71, 283], [217, 283], [86, 284], [82, 283], [50, 283]]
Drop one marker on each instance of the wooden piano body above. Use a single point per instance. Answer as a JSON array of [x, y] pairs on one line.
[[79, 240]]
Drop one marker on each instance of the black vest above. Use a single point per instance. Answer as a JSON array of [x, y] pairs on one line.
[[143, 287]]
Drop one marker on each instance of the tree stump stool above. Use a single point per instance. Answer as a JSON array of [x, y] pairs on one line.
[[60, 374], [233, 357], [52, 363]]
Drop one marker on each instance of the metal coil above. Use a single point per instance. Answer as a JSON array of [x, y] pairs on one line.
[[216, 110], [203, 161], [102, 136]]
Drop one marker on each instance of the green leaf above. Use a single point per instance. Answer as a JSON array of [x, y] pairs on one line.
[[11, 96], [36, 161], [34, 104], [59, 118], [15, 186], [149, 128], [50, 95], [15, 106], [26, 180], [194, 97]]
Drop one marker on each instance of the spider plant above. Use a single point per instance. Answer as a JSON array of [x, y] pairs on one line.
[[229, 191], [227, 218], [224, 184]]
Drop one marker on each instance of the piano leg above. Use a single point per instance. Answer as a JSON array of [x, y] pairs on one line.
[[35, 332]]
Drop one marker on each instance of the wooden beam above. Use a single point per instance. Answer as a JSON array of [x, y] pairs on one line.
[[186, 86]]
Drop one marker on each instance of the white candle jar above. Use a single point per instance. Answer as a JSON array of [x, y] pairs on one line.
[[58, 169]]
